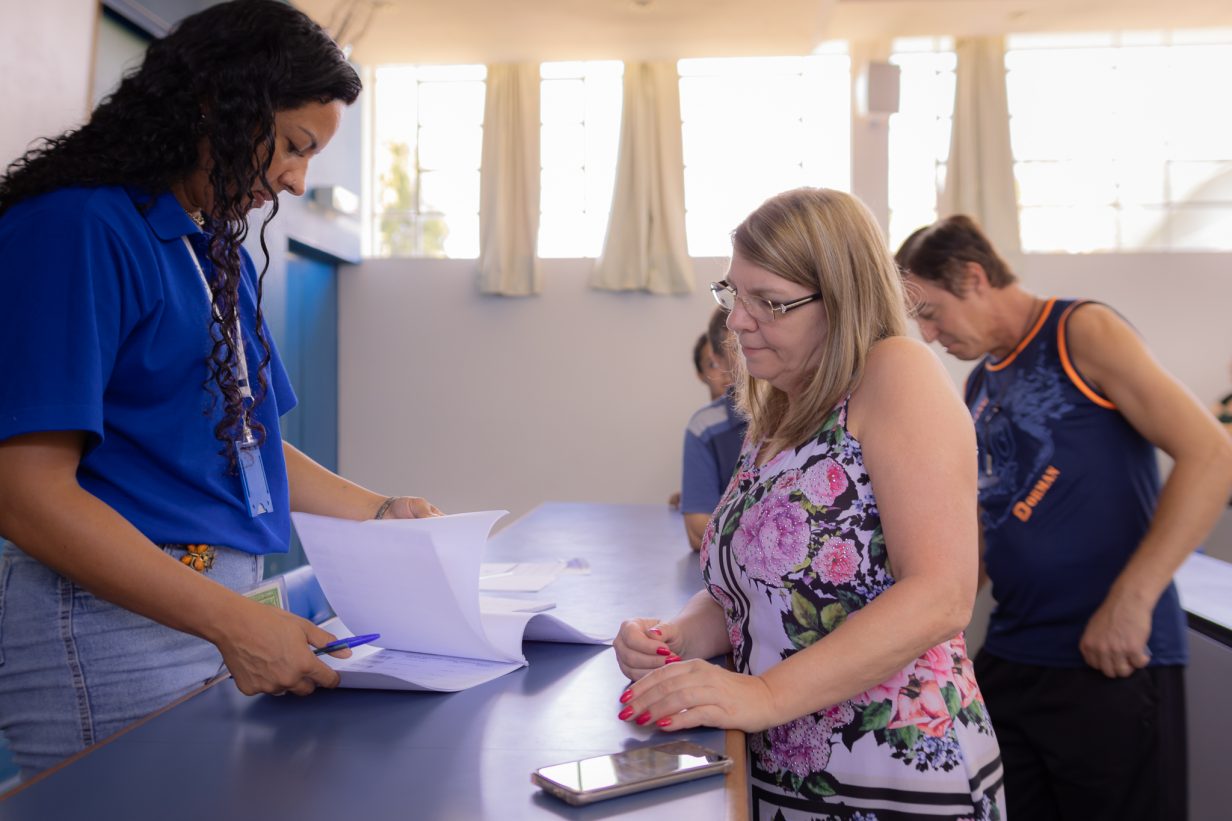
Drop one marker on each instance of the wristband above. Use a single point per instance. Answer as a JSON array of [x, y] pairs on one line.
[[385, 505]]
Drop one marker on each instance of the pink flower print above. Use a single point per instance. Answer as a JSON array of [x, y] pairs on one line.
[[958, 644], [824, 482], [964, 678], [707, 538], [736, 636], [722, 597], [937, 664], [788, 481], [840, 715], [921, 704], [801, 747], [772, 539], [837, 561], [887, 690]]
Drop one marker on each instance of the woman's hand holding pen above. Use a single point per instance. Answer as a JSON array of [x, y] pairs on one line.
[[268, 650]]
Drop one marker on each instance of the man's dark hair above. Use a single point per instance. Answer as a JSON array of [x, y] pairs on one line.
[[939, 252]]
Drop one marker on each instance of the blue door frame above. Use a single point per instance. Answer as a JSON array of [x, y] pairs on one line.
[[309, 349]]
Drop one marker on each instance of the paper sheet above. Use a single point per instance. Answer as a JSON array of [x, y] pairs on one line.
[[526, 577], [416, 582], [376, 668]]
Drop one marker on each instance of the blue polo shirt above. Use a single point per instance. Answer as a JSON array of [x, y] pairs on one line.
[[712, 443], [104, 324]]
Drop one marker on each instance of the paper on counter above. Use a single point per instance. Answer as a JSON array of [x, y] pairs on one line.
[[524, 577], [416, 582], [377, 668], [411, 580]]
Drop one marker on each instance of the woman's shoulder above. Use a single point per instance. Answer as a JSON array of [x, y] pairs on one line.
[[900, 375], [86, 198], [111, 204], [896, 357]]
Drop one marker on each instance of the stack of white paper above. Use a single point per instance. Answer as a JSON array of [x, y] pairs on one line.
[[417, 582]]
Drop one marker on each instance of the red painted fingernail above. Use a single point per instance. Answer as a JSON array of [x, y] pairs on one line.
[[663, 651], [656, 631], [626, 696], [643, 718], [664, 722], [670, 659], [625, 713]]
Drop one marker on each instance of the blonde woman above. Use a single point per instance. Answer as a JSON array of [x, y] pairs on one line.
[[841, 563]]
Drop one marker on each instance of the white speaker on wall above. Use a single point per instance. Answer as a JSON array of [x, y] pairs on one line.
[[878, 89]]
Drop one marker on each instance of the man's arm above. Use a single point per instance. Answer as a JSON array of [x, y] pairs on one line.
[[1112, 357]]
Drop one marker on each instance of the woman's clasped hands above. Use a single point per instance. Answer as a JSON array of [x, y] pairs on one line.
[[676, 694]]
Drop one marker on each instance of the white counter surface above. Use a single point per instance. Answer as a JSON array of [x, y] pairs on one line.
[[1205, 585]]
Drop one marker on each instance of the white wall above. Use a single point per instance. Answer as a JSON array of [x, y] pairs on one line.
[[489, 402], [46, 53], [479, 402]]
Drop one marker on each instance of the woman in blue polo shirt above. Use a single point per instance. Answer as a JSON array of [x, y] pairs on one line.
[[142, 474]]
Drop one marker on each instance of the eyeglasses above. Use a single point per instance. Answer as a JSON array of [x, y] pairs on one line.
[[759, 308]]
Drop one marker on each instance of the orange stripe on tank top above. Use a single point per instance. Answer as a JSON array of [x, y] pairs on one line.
[[1068, 365]]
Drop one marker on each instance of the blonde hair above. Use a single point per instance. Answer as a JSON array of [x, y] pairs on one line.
[[828, 242]]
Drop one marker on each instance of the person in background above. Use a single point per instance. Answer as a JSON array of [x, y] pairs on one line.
[[142, 472], [712, 368], [1083, 663], [711, 372], [841, 563], [712, 439]]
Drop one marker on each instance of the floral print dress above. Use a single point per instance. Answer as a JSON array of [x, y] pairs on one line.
[[793, 549]]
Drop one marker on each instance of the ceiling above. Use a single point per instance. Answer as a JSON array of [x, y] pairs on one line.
[[489, 31]]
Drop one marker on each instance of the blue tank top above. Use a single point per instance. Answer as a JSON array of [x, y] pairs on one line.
[[1067, 491]]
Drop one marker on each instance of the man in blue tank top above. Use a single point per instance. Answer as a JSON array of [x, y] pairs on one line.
[[1082, 668]]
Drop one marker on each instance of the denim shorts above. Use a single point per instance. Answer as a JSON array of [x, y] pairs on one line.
[[74, 669]]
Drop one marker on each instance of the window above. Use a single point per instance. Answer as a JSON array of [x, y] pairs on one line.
[[580, 105], [427, 140], [753, 127], [920, 132], [1121, 141]]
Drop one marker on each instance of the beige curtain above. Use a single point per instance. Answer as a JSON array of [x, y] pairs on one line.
[[509, 183], [979, 177], [645, 248]]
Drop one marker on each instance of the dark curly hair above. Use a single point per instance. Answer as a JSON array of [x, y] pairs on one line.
[[219, 76]]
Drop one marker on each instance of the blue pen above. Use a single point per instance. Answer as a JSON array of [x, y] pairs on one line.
[[350, 641]]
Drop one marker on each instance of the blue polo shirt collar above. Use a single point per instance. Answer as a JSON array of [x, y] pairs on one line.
[[166, 218]]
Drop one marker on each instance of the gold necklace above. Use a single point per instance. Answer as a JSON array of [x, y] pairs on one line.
[[197, 217]]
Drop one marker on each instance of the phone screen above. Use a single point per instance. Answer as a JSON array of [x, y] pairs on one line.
[[638, 766]]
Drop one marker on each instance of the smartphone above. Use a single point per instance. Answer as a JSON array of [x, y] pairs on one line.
[[630, 771]]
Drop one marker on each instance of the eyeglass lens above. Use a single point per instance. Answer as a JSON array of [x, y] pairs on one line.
[[759, 309]]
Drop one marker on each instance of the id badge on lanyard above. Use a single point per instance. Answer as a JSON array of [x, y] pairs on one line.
[[252, 472], [247, 448]]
